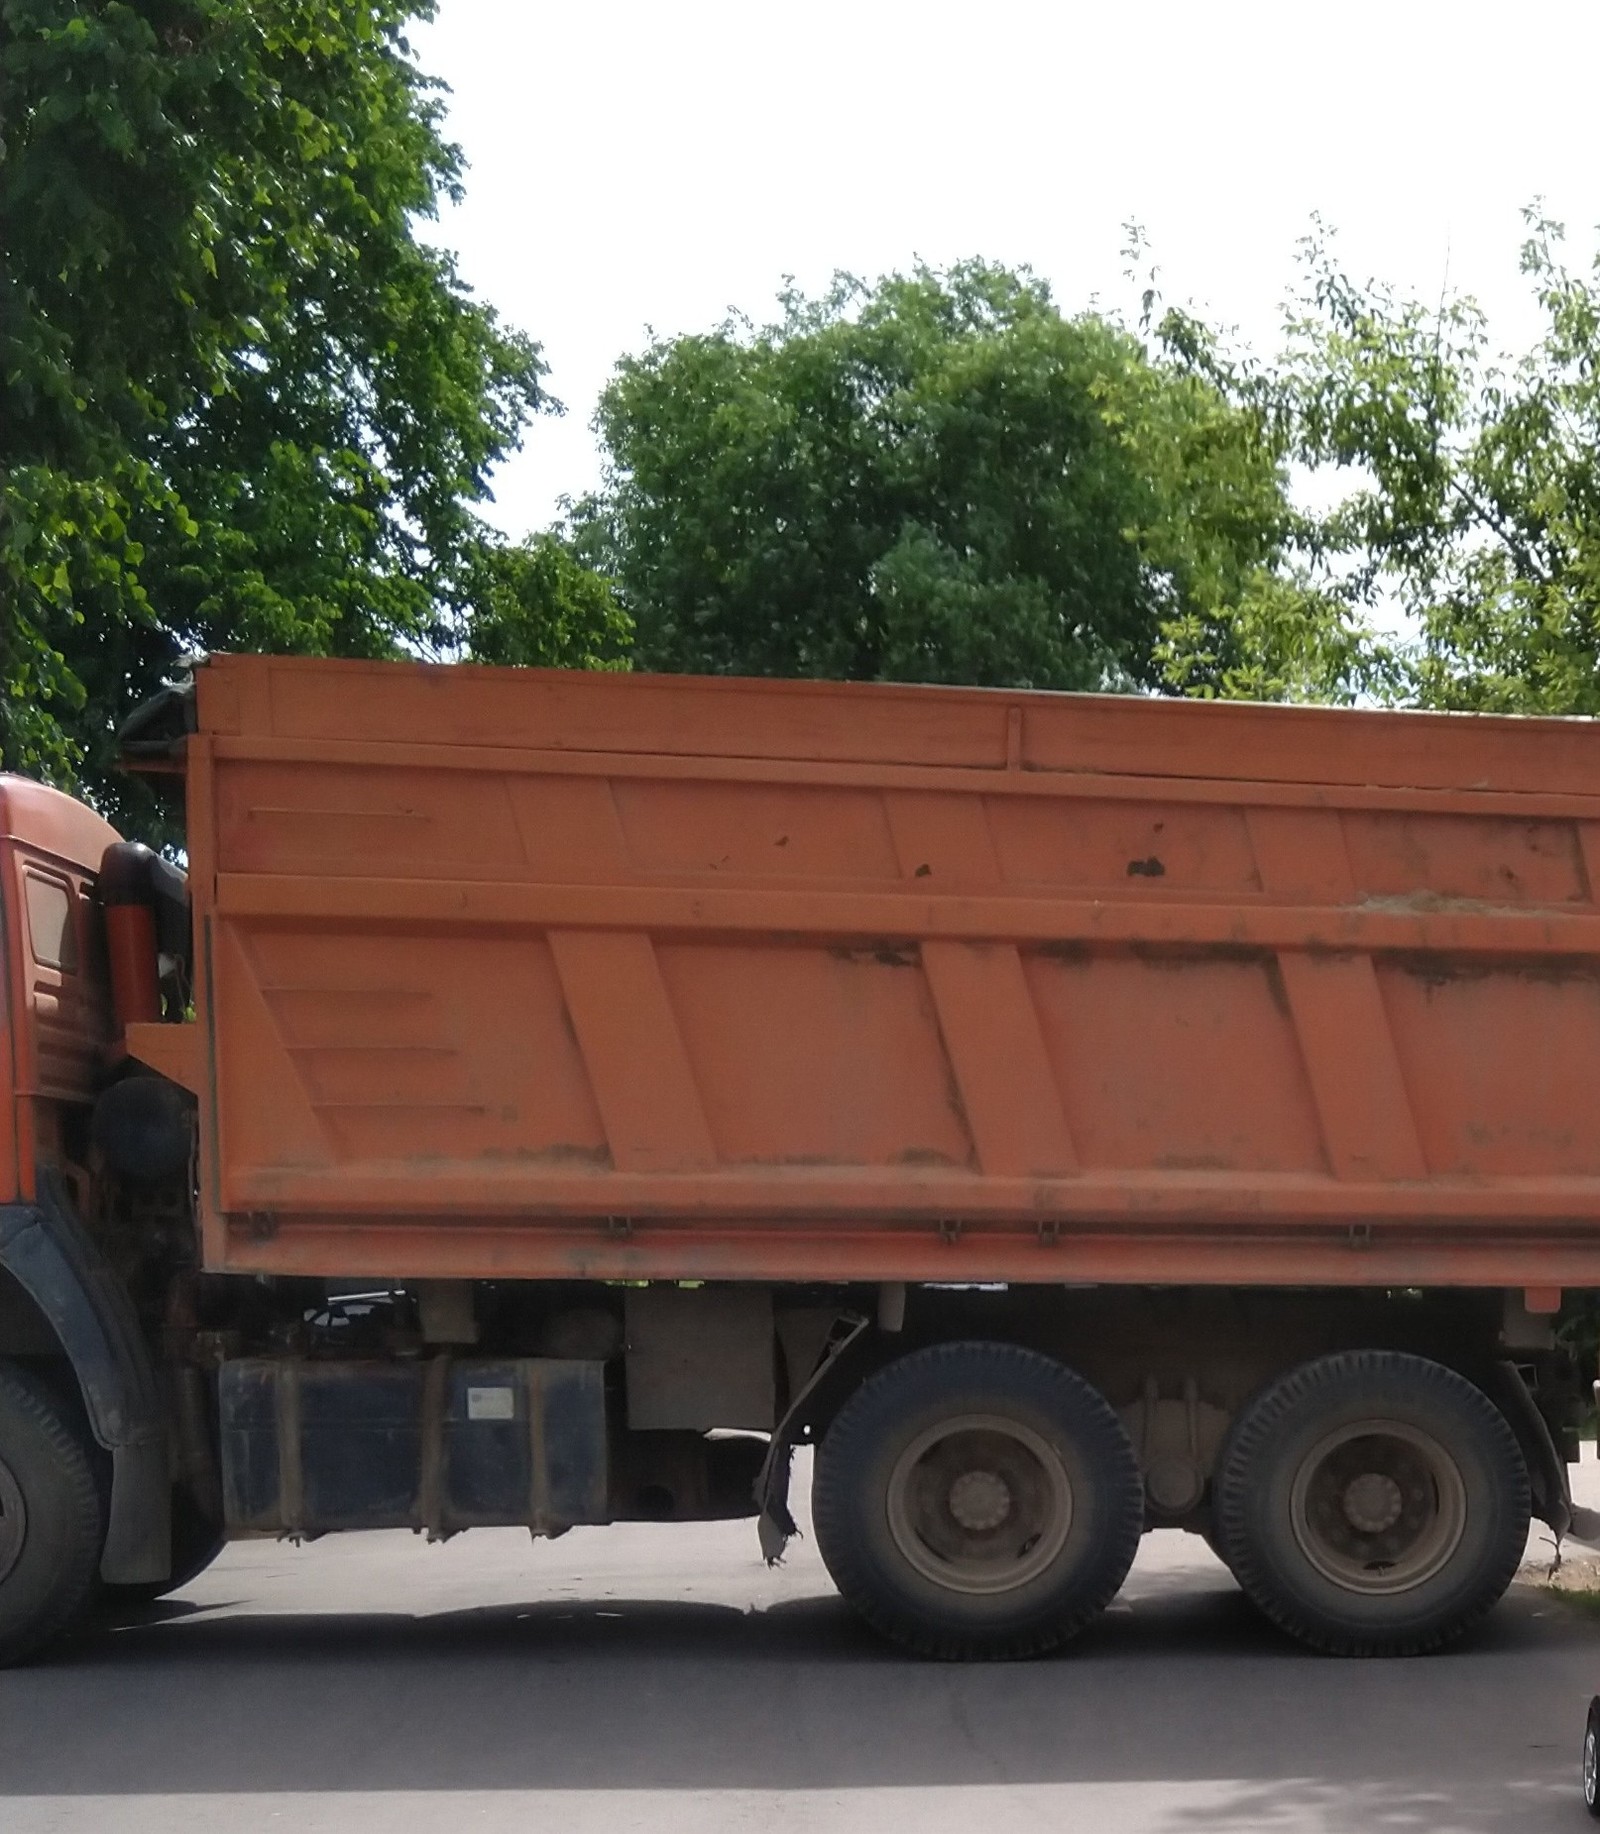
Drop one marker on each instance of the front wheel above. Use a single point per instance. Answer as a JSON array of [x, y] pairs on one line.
[[50, 1522], [1372, 1503], [977, 1500]]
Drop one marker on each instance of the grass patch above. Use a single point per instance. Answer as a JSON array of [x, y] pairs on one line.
[[1581, 1601], [1576, 1581]]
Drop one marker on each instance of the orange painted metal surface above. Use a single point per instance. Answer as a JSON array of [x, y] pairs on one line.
[[516, 973], [131, 956], [56, 1007]]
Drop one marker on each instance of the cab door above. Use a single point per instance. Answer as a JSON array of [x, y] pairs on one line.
[[10, 980], [58, 1006]]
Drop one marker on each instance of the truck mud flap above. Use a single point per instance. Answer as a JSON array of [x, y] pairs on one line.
[[1547, 1469], [775, 1524], [48, 1252]]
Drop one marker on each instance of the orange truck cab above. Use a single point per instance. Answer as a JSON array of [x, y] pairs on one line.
[[61, 1306], [551, 1098]]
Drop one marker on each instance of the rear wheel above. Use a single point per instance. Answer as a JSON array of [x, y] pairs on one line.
[[977, 1499], [50, 1522], [1372, 1503]]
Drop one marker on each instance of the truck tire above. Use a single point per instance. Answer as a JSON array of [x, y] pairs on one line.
[[977, 1500], [1372, 1503], [51, 1525], [1591, 1759]]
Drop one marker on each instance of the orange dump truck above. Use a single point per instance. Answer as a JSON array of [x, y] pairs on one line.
[[549, 1099]]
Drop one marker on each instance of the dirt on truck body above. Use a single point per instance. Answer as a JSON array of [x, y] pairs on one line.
[[550, 1098]]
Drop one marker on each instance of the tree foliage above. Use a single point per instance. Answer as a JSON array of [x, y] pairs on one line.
[[937, 478], [1473, 513], [245, 406], [536, 605]]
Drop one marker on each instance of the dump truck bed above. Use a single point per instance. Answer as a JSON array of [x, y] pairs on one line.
[[539, 974]]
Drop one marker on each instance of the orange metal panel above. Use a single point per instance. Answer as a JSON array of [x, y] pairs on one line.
[[457, 1246], [173, 1050], [987, 1021], [428, 756], [625, 716], [998, 1059], [58, 1008], [53, 825], [627, 1035], [1335, 1006], [523, 973], [809, 1058], [1420, 925]]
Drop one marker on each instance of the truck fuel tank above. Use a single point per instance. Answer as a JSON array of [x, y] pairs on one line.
[[439, 1444], [445, 1443]]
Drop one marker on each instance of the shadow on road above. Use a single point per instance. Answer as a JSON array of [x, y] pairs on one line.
[[637, 1694]]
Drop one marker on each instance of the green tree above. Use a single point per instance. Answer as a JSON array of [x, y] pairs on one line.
[[536, 605], [1472, 516], [939, 478], [245, 406]]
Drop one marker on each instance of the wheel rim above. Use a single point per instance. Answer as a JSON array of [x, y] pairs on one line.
[[1378, 1507], [13, 1522], [1591, 1767], [980, 1504]]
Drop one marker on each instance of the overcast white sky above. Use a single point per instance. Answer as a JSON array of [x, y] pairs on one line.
[[635, 166]]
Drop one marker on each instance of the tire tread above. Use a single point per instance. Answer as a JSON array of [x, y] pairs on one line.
[[847, 1442], [30, 1398], [1253, 1429]]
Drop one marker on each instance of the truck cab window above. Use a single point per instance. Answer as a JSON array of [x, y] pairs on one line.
[[50, 931]]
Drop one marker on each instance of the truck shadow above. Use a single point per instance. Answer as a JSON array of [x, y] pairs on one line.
[[1191, 1690]]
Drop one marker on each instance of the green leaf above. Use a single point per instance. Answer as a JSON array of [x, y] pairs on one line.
[[244, 405]]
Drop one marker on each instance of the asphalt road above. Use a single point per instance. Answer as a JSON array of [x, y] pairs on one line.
[[662, 1679]]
